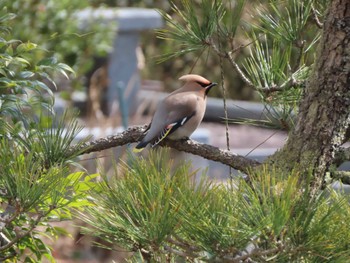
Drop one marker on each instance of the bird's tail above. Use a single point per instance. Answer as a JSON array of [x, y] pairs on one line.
[[140, 147]]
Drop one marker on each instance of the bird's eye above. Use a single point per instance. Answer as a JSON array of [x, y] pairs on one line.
[[203, 84]]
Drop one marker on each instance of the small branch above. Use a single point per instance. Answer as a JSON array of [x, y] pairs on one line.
[[213, 153], [23, 234], [134, 134], [228, 55], [245, 79], [290, 84]]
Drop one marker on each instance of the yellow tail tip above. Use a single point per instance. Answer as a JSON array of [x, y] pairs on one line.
[[137, 150]]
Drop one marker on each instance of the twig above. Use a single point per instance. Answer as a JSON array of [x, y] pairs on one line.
[[245, 79], [290, 84], [268, 138], [25, 233], [228, 55], [134, 134], [225, 107]]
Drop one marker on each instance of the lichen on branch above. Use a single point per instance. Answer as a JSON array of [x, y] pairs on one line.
[[135, 134]]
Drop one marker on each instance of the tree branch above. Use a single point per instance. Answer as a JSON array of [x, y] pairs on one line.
[[24, 233], [290, 84], [134, 134], [228, 55]]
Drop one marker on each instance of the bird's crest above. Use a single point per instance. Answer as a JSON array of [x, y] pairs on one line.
[[195, 78]]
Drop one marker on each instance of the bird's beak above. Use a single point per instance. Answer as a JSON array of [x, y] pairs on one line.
[[207, 89]]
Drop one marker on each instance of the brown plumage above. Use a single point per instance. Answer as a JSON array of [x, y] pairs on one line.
[[179, 114]]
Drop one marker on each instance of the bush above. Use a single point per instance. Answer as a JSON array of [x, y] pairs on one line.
[[158, 211], [36, 184]]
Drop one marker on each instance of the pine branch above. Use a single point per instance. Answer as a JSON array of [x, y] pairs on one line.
[[134, 134], [228, 55], [292, 83]]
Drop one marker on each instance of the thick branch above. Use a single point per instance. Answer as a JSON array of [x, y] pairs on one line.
[[134, 134]]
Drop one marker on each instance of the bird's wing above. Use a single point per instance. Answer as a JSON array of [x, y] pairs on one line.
[[177, 115], [171, 127]]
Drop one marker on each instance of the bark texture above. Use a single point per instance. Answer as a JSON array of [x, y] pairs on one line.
[[324, 111], [135, 134]]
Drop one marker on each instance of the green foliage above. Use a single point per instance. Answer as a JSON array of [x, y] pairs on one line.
[[138, 210], [285, 20], [294, 224], [51, 142], [23, 80], [158, 210], [199, 30], [279, 64], [32, 194], [36, 184], [54, 26]]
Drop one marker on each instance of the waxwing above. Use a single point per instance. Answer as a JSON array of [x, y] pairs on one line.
[[179, 114]]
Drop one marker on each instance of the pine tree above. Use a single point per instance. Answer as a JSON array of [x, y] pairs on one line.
[[286, 211]]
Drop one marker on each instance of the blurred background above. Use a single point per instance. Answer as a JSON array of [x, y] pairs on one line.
[[121, 74]]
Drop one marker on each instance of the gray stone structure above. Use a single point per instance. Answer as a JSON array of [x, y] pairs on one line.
[[123, 71]]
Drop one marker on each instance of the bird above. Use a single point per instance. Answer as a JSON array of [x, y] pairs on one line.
[[179, 114]]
